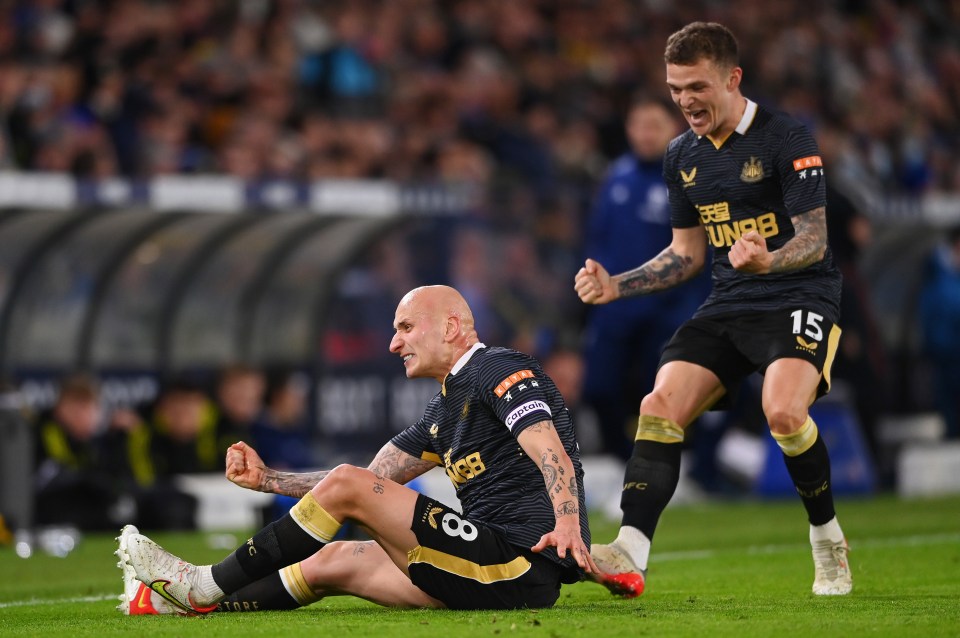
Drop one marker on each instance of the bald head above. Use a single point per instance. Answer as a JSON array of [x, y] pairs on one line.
[[434, 328], [440, 300]]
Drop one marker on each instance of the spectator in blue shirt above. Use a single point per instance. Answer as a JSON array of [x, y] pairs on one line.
[[630, 224], [940, 325]]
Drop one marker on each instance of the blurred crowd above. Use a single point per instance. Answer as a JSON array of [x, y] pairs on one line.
[[530, 90], [525, 98], [97, 466]]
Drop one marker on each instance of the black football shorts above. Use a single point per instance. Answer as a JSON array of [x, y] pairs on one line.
[[469, 566], [735, 345]]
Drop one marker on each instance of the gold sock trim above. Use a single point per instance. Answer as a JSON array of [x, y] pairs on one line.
[[296, 585], [314, 520], [800, 441], [659, 429]]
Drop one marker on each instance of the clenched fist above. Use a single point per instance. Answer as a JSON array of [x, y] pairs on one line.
[[594, 284], [749, 254], [245, 467]]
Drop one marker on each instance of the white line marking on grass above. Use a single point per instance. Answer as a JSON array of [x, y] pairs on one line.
[[698, 554], [33, 602], [900, 541]]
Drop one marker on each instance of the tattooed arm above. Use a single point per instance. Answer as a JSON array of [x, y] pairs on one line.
[[543, 445], [246, 469], [807, 246], [290, 483], [676, 263], [393, 463]]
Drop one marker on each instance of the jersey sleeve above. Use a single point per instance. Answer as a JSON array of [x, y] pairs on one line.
[[801, 172], [683, 214], [516, 390], [415, 441]]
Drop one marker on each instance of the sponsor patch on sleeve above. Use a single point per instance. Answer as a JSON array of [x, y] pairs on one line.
[[523, 410], [807, 162], [516, 377]]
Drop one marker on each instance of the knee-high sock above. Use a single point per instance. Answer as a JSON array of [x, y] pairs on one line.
[[808, 463], [652, 473], [286, 589], [286, 541]]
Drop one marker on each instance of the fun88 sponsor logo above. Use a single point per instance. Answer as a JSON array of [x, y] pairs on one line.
[[522, 410]]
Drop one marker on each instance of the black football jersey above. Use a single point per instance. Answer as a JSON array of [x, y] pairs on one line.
[[470, 428], [764, 173]]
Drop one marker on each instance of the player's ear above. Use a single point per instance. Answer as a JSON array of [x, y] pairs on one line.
[[733, 80], [452, 328]]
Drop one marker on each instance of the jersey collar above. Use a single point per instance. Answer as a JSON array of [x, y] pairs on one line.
[[743, 126], [748, 114], [462, 361]]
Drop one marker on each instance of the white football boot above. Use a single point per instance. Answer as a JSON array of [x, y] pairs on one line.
[[619, 573], [165, 574], [832, 575], [137, 599]]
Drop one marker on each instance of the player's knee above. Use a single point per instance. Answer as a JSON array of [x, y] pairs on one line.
[[656, 404], [328, 567], [783, 420], [339, 488], [329, 571]]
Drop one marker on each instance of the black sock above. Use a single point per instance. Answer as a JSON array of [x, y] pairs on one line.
[[264, 594], [810, 472], [649, 483], [277, 545]]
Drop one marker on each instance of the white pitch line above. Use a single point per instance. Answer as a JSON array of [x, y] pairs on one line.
[[900, 541], [699, 554], [35, 602]]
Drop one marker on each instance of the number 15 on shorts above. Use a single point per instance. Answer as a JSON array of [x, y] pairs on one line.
[[807, 323]]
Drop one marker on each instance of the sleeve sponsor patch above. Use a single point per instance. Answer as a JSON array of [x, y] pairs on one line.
[[516, 377], [523, 410], [807, 162]]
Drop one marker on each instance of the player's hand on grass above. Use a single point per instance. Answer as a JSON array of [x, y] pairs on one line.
[[568, 542], [594, 285], [245, 467]]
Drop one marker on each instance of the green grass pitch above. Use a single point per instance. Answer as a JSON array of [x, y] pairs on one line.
[[718, 569]]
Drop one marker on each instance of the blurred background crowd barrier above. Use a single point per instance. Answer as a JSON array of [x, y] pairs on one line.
[[191, 186]]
